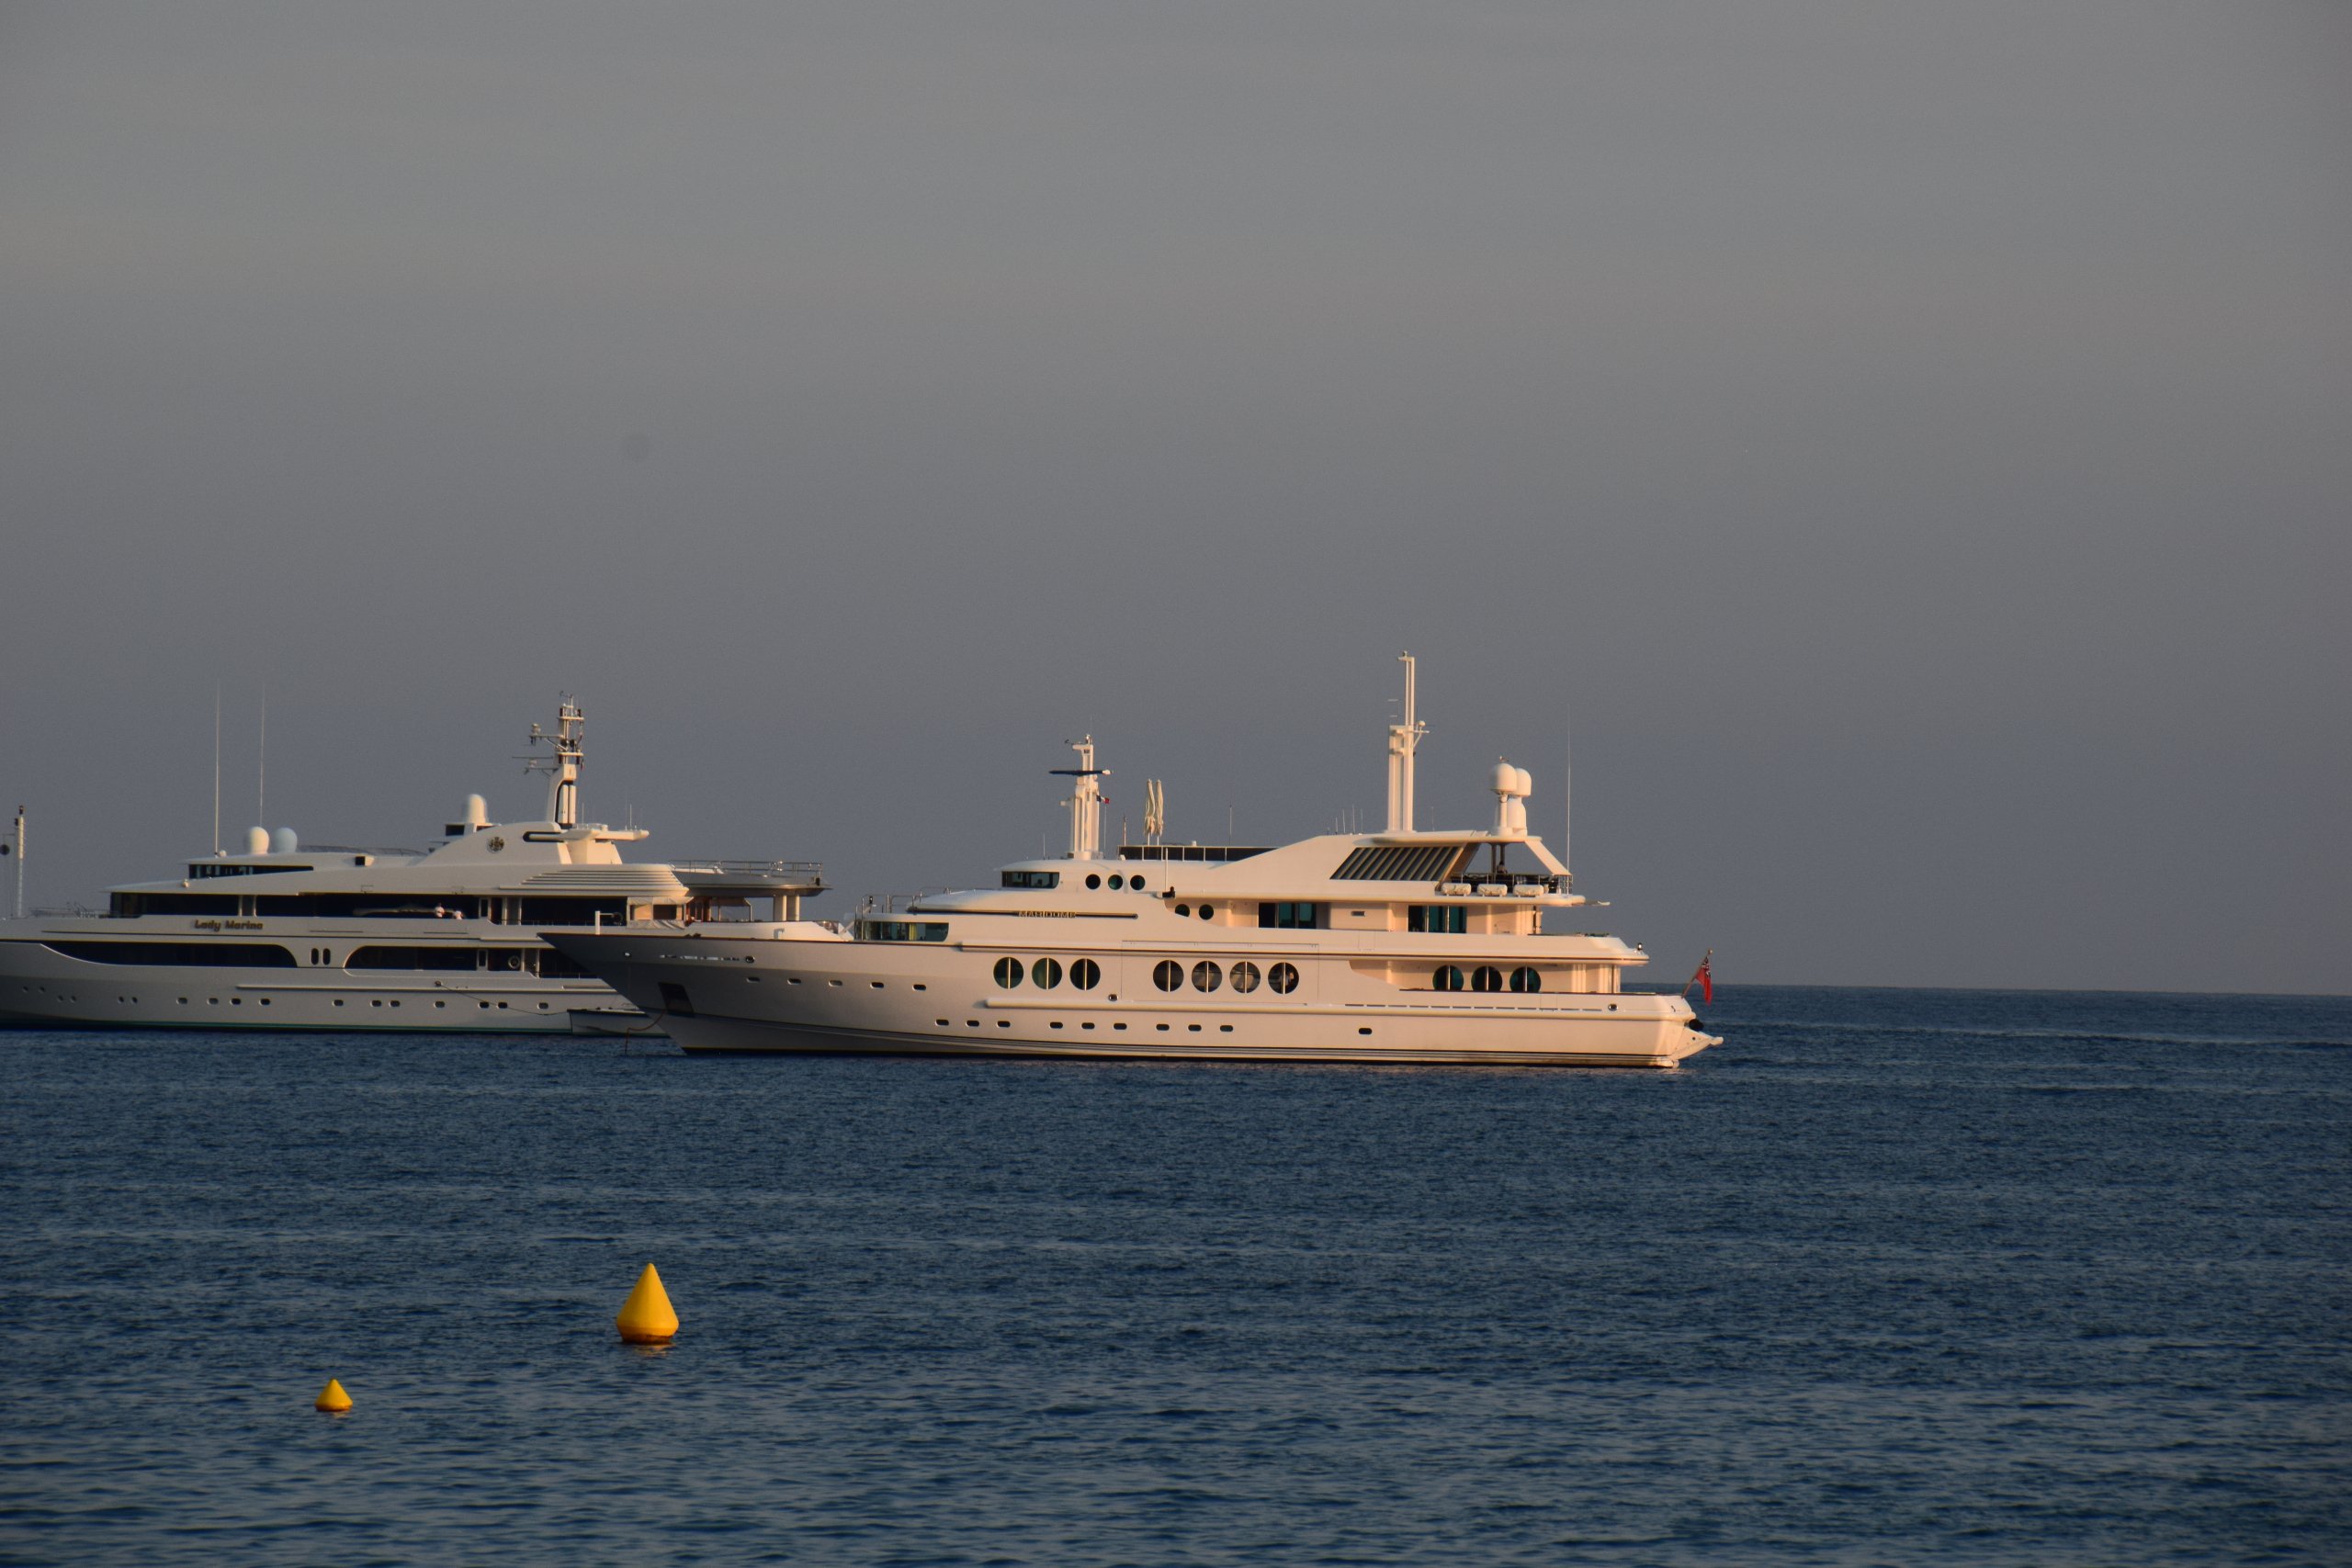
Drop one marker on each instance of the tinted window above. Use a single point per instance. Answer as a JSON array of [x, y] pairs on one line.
[[1046, 973], [1207, 976], [1245, 976], [1525, 980], [1282, 978], [199, 954], [1008, 973], [1447, 978], [1168, 974], [1487, 978], [1085, 974]]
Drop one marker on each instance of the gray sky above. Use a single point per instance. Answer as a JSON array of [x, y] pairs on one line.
[[1911, 440]]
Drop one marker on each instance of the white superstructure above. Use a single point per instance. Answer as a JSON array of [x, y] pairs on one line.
[[451, 938], [1397, 946]]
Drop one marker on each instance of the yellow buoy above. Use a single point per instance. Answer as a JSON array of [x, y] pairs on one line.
[[646, 1317], [332, 1400]]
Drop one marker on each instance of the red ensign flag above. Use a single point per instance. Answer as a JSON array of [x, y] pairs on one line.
[[1704, 979]]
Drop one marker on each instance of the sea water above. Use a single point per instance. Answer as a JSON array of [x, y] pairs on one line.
[[1903, 1277]]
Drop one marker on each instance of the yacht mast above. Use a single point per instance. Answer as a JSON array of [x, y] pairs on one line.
[[1403, 737], [1085, 802], [563, 768]]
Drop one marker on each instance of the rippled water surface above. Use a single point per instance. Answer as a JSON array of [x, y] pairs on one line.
[[1892, 1277]]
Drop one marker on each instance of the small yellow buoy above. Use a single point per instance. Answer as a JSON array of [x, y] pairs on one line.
[[332, 1400], [646, 1317]]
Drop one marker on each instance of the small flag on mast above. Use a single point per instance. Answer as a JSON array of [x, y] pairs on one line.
[[1704, 979]]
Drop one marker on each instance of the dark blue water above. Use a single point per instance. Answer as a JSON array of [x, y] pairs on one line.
[[1892, 1277]]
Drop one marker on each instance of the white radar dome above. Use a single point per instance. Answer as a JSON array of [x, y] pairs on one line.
[[283, 841], [1526, 782], [477, 812], [256, 840]]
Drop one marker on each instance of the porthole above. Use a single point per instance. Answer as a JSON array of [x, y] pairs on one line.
[[1282, 979], [1487, 979], [1245, 976], [1207, 976], [1134, 884], [1447, 978], [1115, 880], [1208, 911], [1085, 974], [1525, 978], [1168, 974], [1093, 880], [1046, 973], [1008, 974], [1184, 908]]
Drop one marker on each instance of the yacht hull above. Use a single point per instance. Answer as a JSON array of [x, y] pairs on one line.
[[42, 988], [716, 995]]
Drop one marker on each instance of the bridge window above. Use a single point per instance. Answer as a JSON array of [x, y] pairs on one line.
[[1031, 878], [1289, 916], [1450, 918]]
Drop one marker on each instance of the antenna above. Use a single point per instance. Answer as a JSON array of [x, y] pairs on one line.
[[20, 848], [1567, 789], [216, 767], [261, 765]]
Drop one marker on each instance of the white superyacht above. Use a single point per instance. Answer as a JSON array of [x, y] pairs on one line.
[[450, 938], [1402, 946]]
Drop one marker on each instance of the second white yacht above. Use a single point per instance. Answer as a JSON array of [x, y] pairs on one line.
[[1402, 946]]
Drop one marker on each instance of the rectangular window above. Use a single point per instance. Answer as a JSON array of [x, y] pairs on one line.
[[1448, 919], [135, 904], [1031, 878], [901, 930], [1290, 916], [412, 958]]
